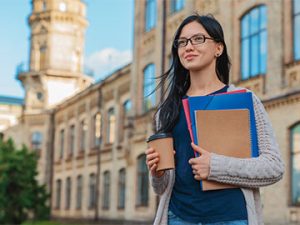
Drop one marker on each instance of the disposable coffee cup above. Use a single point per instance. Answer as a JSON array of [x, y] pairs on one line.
[[163, 144]]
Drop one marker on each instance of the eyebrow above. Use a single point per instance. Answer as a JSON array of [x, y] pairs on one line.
[[192, 35]]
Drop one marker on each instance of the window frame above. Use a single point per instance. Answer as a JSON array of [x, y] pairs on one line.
[[79, 192], [292, 156], [68, 193], [111, 125], [176, 6], [36, 141], [122, 188], [58, 193], [261, 34], [92, 191], [61, 143], [142, 198], [106, 190], [150, 15], [149, 85], [294, 16]]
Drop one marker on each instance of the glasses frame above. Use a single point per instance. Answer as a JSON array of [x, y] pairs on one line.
[[187, 40]]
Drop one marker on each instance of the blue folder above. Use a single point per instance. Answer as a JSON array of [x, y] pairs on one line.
[[225, 101]]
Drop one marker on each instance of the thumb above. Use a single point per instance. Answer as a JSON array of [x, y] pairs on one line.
[[198, 149]]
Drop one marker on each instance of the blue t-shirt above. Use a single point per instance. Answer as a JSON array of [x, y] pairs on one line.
[[188, 201]]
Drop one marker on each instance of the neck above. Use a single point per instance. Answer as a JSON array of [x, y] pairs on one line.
[[203, 83]]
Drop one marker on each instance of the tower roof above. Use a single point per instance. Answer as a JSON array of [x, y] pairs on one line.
[[11, 100]]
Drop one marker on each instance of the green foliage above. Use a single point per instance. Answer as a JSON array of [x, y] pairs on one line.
[[20, 194]]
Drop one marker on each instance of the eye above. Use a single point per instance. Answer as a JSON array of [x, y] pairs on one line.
[[181, 42], [198, 38]]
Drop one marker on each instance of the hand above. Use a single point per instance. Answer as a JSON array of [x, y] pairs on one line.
[[152, 159], [201, 164]]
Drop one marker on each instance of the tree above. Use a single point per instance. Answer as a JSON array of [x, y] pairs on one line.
[[20, 194]]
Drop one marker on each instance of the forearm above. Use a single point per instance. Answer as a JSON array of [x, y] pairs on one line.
[[159, 184]]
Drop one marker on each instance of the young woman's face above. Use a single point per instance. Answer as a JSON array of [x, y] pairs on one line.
[[198, 56]]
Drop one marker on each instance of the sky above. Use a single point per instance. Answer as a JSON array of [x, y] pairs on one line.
[[108, 40]]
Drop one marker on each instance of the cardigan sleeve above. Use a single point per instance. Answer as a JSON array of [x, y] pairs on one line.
[[263, 170], [159, 184]]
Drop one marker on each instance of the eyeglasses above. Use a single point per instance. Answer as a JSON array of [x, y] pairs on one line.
[[195, 40]]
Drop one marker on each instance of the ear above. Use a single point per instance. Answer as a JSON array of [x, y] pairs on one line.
[[219, 49]]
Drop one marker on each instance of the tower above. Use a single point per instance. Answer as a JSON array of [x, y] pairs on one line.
[[56, 53]]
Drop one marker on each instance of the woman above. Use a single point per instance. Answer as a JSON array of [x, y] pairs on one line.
[[201, 67]]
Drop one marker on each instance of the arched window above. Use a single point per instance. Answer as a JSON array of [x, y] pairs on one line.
[[254, 42], [176, 5], [149, 86], [150, 15], [295, 164], [122, 188], [124, 113], [72, 139], [106, 188], [43, 57], [58, 194], [111, 125], [142, 181], [296, 26], [68, 193], [127, 107], [97, 129], [92, 191], [36, 141], [79, 192]]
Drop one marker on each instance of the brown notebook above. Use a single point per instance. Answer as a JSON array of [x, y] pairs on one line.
[[224, 132]]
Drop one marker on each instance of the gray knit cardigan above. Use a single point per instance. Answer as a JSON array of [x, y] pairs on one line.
[[248, 174]]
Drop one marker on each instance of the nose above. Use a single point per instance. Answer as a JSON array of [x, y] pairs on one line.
[[189, 45]]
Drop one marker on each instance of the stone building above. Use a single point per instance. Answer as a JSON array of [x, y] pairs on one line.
[[92, 138]]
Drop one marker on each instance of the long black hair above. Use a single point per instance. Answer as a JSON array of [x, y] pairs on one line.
[[178, 77]]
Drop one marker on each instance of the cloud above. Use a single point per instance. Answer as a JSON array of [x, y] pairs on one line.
[[104, 62]]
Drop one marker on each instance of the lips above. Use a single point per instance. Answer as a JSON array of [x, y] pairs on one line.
[[189, 57]]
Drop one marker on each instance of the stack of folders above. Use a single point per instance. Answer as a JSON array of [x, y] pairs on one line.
[[223, 124]]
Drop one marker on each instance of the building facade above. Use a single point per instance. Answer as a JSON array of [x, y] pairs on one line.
[[92, 139]]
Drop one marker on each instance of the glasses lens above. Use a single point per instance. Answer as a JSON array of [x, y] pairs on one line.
[[198, 39], [180, 43]]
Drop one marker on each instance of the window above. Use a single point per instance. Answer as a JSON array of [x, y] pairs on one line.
[[97, 129], [36, 140], [72, 139], [106, 188], [79, 192], [68, 193], [176, 5], [92, 191], [43, 57], [142, 181], [296, 24], [149, 87], [111, 125], [122, 180], [127, 107], [58, 194], [44, 6], [83, 135], [125, 112], [150, 15], [62, 143], [254, 43], [295, 164]]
